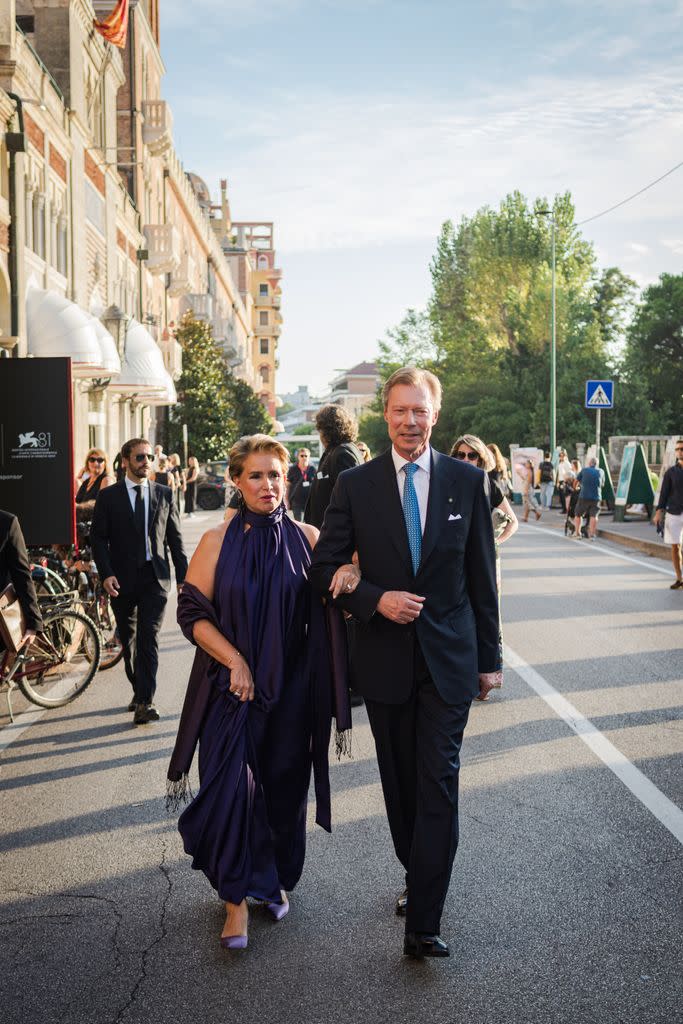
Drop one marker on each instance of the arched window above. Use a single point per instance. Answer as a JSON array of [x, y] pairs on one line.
[[265, 374]]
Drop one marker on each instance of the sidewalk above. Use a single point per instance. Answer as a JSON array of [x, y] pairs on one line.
[[637, 534]]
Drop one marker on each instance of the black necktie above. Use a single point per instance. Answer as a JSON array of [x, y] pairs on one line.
[[141, 546]]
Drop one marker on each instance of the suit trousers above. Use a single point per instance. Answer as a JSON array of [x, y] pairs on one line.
[[139, 615], [418, 751]]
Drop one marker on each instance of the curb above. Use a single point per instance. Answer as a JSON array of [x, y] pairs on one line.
[[648, 547]]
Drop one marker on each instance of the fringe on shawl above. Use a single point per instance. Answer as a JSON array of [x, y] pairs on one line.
[[178, 793]]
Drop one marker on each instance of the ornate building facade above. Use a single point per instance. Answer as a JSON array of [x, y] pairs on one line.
[[105, 240]]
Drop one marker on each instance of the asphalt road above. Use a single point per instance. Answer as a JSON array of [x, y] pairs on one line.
[[565, 905]]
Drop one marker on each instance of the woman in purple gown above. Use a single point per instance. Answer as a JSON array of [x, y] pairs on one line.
[[260, 699]]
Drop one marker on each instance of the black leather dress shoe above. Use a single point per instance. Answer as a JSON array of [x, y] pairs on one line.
[[402, 903], [145, 713], [133, 704], [418, 945]]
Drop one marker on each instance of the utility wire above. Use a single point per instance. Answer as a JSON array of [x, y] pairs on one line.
[[629, 198]]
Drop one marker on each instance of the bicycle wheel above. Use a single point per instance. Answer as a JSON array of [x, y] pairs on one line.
[[103, 616], [62, 660]]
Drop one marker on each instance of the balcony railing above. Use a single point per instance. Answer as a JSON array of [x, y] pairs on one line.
[[200, 304], [163, 246], [157, 128], [182, 277], [265, 300]]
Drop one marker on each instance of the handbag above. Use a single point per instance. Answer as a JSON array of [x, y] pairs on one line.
[[12, 621]]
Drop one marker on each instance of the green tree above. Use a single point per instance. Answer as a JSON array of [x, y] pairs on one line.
[[653, 362], [203, 399], [248, 412]]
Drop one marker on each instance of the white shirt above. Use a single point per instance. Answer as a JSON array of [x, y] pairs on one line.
[[420, 479], [564, 470], [145, 497]]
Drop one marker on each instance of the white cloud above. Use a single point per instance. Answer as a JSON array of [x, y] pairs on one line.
[[340, 171], [674, 244], [638, 248], [617, 48]]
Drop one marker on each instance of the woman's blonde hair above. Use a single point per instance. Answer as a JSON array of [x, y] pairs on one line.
[[486, 458], [501, 464], [100, 455], [252, 445]]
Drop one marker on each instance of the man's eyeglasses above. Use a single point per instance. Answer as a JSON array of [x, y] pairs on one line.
[[93, 458], [145, 455], [472, 456]]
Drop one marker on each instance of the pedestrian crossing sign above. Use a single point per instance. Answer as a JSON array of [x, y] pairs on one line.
[[599, 394]]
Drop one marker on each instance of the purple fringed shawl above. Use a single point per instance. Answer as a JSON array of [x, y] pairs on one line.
[[254, 613]]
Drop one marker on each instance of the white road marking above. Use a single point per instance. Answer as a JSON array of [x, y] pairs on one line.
[[595, 546], [649, 795]]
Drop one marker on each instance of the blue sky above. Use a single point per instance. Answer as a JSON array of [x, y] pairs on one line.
[[359, 126]]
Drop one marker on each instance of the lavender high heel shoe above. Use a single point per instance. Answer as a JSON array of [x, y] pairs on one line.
[[235, 941], [279, 910]]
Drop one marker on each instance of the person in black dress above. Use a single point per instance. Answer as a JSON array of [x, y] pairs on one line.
[[300, 477], [191, 484], [93, 477]]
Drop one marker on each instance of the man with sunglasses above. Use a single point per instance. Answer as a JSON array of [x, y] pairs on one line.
[[136, 524], [671, 502]]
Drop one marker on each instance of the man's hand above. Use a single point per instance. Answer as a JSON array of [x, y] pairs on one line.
[[28, 638], [241, 682], [399, 606], [489, 681], [112, 586], [658, 516]]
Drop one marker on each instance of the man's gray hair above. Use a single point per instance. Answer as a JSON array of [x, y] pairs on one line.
[[593, 461], [414, 377]]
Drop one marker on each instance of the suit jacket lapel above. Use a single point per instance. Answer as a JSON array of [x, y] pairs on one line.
[[436, 507], [125, 501], [388, 504], [153, 504]]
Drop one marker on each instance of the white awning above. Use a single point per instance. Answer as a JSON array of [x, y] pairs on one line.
[[167, 396], [58, 327], [142, 372], [110, 356]]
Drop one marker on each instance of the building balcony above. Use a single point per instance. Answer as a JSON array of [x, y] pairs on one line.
[[267, 301], [172, 353], [222, 329], [265, 330], [182, 277], [163, 247], [157, 127], [277, 299], [200, 304]]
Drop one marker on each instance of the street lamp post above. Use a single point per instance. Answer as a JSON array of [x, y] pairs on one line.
[[553, 340]]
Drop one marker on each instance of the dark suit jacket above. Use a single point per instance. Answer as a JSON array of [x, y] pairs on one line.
[[112, 536], [15, 569], [458, 628], [333, 462]]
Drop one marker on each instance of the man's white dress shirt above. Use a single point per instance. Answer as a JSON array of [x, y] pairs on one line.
[[145, 497], [420, 479]]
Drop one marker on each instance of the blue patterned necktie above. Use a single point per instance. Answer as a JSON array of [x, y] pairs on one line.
[[411, 512]]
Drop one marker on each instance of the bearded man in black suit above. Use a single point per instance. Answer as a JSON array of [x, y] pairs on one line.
[[427, 636], [136, 523]]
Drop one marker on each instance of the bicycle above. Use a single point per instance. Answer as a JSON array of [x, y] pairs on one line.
[[62, 660]]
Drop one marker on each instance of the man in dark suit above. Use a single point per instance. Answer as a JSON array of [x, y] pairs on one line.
[[338, 432], [135, 524], [15, 569], [427, 637]]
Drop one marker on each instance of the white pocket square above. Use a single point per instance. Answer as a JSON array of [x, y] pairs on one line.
[[452, 518]]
